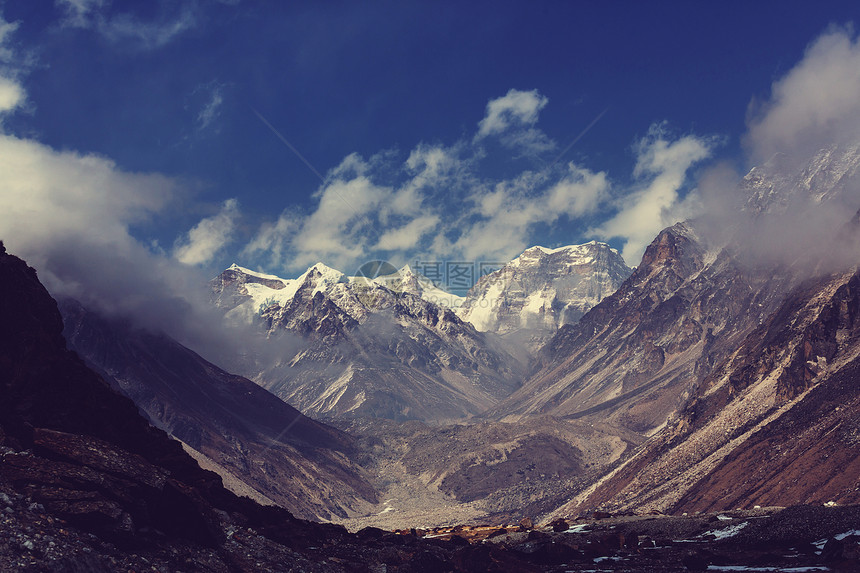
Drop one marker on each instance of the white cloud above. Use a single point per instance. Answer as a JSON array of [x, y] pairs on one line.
[[212, 109], [407, 236], [530, 141], [126, 27], [69, 216], [47, 194], [436, 203], [515, 109], [655, 203], [512, 118], [11, 95], [55, 202], [209, 236], [338, 231], [504, 216], [7, 54], [275, 239], [79, 12], [12, 63], [147, 35], [816, 103]]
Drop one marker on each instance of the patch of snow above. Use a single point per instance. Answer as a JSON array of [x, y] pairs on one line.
[[249, 272], [578, 529], [482, 314], [535, 304], [329, 276], [727, 532], [426, 289], [842, 536]]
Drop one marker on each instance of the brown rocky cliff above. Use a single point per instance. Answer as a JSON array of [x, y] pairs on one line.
[[774, 424]]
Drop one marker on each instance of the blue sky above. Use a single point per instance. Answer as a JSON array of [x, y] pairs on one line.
[[278, 134]]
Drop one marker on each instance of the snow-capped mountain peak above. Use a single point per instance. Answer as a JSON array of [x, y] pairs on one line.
[[407, 280], [544, 288], [831, 172]]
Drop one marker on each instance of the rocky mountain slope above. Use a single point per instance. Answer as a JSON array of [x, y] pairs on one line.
[[630, 360], [487, 472], [777, 423], [250, 437], [783, 180], [543, 289], [695, 297], [756, 355], [366, 347], [81, 452], [87, 484]]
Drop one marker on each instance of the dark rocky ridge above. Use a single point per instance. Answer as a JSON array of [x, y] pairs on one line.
[[82, 449], [296, 462]]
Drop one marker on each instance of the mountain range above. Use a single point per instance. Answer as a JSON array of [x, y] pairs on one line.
[[719, 373], [384, 347]]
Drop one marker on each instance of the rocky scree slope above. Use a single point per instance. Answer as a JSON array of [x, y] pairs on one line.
[[246, 434], [487, 472], [83, 451], [777, 423], [785, 344], [695, 297]]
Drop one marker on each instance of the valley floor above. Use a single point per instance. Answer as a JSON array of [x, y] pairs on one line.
[[478, 472], [802, 538]]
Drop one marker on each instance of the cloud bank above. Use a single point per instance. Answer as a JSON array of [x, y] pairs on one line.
[[807, 136], [442, 203], [816, 103], [654, 203], [71, 216], [209, 236]]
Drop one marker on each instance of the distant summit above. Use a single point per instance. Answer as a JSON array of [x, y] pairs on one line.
[[542, 289]]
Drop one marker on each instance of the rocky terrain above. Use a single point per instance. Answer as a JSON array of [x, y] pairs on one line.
[[86, 484], [630, 377], [776, 423], [765, 400], [485, 471], [780, 182], [395, 346], [631, 359], [254, 440]]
